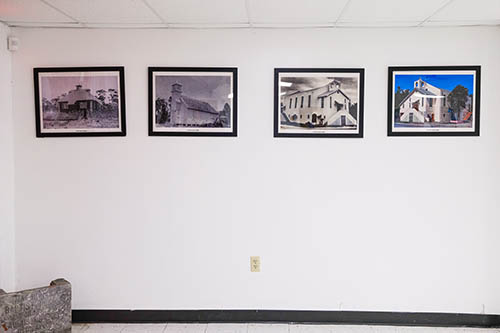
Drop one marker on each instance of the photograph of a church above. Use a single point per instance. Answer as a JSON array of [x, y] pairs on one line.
[[197, 102], [318, 103], [434, 102], [427, 103]]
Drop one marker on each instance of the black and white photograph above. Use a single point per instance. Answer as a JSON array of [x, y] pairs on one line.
[[318, 102], [80, 101], [190, 101], [434, 101]]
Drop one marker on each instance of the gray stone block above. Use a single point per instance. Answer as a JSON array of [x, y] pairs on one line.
[[46, 309]]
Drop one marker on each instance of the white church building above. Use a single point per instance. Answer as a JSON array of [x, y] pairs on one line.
[[425, 103], [322, 106]]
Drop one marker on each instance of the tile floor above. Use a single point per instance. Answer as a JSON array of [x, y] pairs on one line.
[[267, 328]]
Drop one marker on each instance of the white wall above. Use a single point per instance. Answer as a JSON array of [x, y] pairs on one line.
[[170, 223], [6, 166]]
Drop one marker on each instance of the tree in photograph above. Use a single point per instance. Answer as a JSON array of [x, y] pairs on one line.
[[101, 95], [113, 95], [399, 96], [161, 109], [458, 99], [47, 105], [54, 101]]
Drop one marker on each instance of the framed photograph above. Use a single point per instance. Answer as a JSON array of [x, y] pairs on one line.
[[193, 101], [79, 101], [434, 101], [318, 102]]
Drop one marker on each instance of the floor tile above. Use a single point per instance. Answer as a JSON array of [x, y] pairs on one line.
[[146, 328], [313, 328], [413, 329], [78, 328], [267, 328], [356, 329], [186, 328], [104, 328], [383, 329], [227, 328], [469, 330]]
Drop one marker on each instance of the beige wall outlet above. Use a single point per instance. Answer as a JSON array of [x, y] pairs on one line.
[[254, 264]]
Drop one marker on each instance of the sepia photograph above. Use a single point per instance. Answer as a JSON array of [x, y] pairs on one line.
[[318, 102], [434, 101], [192, 101], [80, 101]]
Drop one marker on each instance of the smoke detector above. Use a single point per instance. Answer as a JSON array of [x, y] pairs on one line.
[[12, 43]]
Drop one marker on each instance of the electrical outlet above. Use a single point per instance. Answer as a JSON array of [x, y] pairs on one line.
[[254, 264]]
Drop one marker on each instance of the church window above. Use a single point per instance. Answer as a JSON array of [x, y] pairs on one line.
[[309, 101], [322, 102], [302, 102], [290, 103], [296, 98]]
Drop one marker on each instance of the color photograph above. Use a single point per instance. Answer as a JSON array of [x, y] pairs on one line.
[[318, 103], [432, 101], [192, 101], [79, 102]]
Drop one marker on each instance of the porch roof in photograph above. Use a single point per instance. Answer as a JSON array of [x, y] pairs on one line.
[[79, 95]]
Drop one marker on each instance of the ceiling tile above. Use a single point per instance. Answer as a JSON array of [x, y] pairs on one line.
[[107, 11], [262, 13], [29, 11], [464, 10], [377, 24], [460, 23], [286, 11], [390, 10], [200, 11]]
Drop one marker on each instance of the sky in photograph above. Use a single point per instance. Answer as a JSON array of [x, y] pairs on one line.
[[211, 89], [443, 81], [55, 86], [348, 85]]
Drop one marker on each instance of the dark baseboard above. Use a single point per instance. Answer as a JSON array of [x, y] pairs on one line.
[[287, 316]]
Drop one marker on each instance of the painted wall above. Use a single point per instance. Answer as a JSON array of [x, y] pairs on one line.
[[170, 223], [6, 166]]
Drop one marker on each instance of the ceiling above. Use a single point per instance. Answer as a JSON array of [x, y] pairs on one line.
[[247, 13]]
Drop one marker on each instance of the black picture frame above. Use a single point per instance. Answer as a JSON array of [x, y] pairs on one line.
[[122, 130], [197, 131], [319, 133], [476, 101]]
